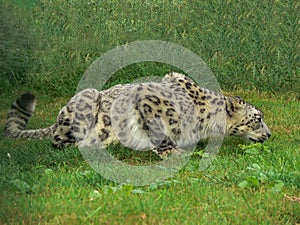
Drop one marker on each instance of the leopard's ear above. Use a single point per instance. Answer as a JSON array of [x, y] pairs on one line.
[[232, 104], [240, 100]]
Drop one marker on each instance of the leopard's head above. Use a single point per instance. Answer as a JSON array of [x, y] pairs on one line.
[[245, 120]]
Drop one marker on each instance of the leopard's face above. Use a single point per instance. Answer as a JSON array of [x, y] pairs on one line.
[[246, 121]]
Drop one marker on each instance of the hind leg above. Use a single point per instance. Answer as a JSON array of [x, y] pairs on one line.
[[76, 121], [62, 133]]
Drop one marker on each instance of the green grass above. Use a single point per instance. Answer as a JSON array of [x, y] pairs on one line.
[[47, 45], [252, 48], [246, 184]]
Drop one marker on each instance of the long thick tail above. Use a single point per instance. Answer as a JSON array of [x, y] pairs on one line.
[[18, 117]]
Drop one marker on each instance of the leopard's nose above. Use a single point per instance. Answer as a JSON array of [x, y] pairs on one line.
[[269, 135]]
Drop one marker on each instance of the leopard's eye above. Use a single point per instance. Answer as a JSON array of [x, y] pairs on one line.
[[258, 118]]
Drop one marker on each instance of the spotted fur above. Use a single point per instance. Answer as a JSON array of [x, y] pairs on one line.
[[165, 117]]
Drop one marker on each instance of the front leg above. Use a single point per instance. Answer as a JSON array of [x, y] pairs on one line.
[[164, 150]]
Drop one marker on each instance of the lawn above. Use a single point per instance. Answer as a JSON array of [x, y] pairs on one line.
[[253, 50]]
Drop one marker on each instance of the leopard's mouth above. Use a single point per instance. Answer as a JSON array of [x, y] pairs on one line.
[[258, 140]]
